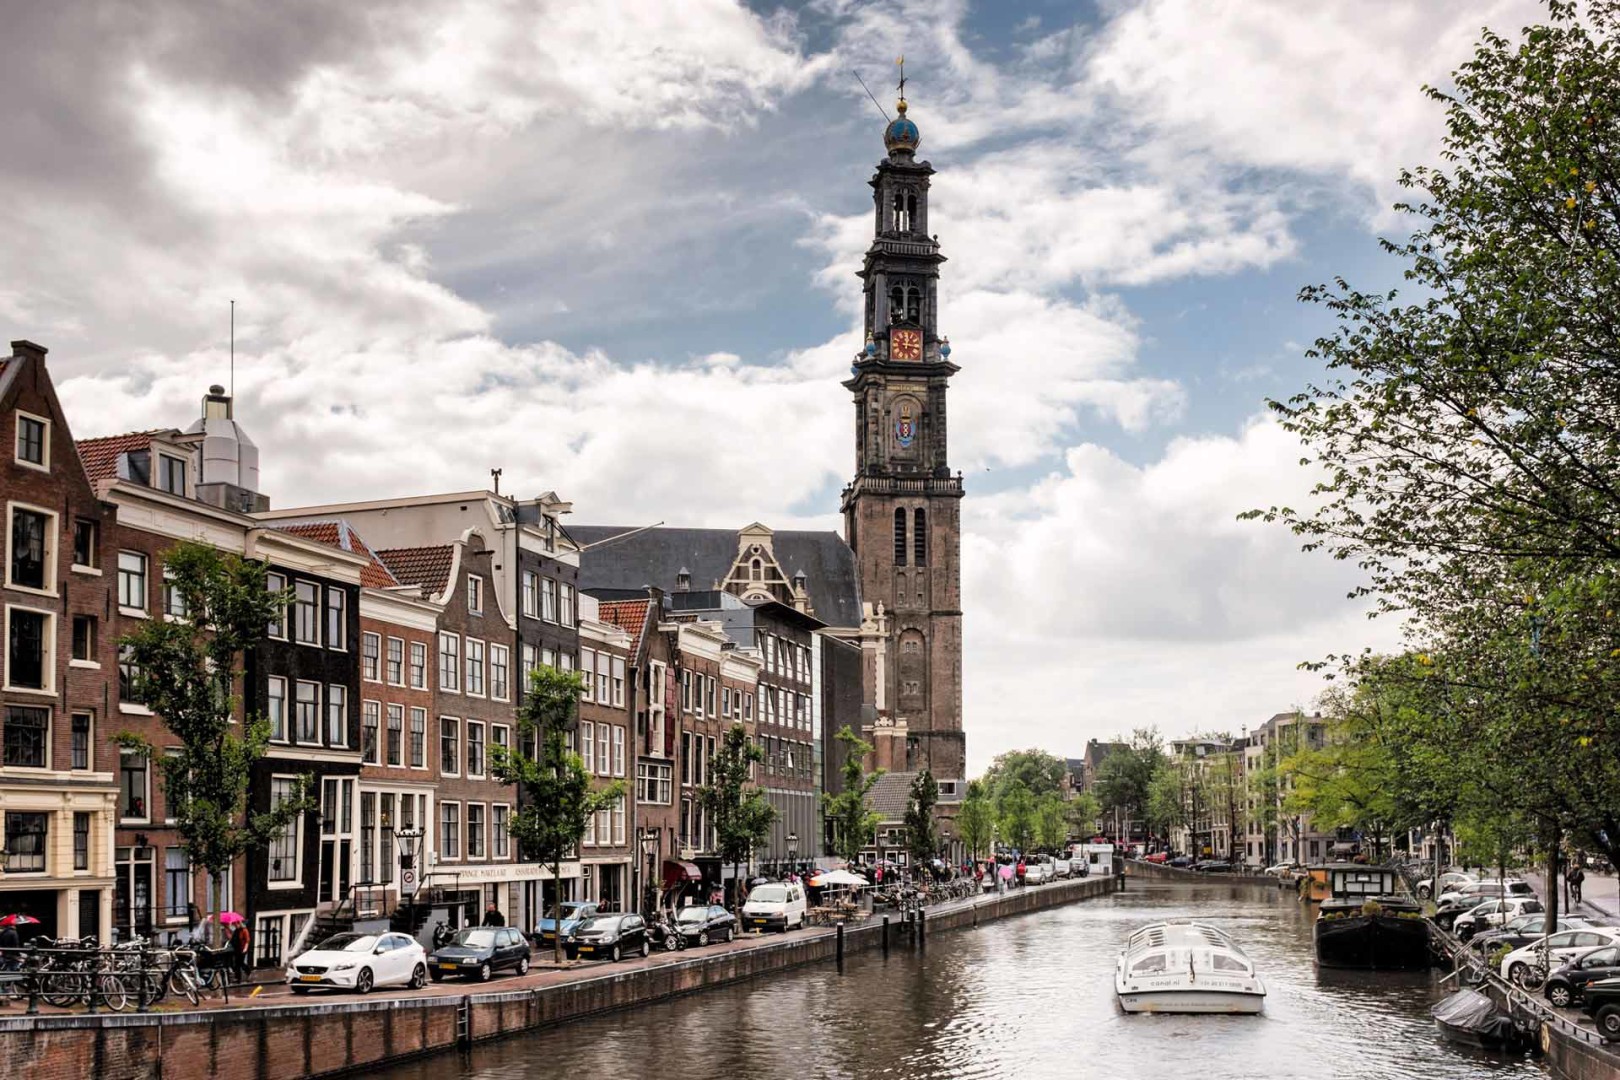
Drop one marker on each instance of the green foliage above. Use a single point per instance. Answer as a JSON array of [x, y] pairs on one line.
[[558, 794], [976, 820], [1040, 772], [1082, 813], [1168, 799], [741, 813], [853, 823], [1125, 777], [1469, 445], [1051, 821], [187, 669], [1016, 815], [922, 841]]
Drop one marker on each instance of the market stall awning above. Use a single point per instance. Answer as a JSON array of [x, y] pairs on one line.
[[677, 872]]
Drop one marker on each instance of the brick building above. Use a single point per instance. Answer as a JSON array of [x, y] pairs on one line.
[[604, 740]]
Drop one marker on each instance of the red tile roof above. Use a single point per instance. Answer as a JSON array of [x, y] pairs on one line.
[[425, 566], [100, 456], [629, 615], [338, 533]]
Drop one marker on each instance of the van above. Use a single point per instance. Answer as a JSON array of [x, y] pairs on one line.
[[775, 905], [1060, 868]]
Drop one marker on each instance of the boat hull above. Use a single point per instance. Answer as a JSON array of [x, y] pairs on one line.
[[1211, 1002], [1372, 942]]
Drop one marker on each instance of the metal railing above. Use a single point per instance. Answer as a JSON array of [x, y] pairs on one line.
[[67, 974]]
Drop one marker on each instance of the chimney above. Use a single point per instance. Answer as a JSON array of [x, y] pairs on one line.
[[23, 349]]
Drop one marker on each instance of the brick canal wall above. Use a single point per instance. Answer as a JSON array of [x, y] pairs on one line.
[[1156, 872], [346, 1035]]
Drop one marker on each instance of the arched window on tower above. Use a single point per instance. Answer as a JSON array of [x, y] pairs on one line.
[[913, 304], [897, 303], [900, 537], [919, 538], [903, 206], [754, 570], [911, 212]]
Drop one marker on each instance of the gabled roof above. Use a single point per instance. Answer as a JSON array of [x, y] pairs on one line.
[[100, 456], [428, 567], [340, 534], [891, 795], [627, 615], [656, 556]]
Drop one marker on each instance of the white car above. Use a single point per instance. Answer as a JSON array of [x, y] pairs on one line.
[[1448, 881], [1470, 893], [1036, 873], [1060, 868], [1558, 948], [360, 962], [1494, 913]]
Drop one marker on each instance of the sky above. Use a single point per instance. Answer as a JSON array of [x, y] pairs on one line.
[[609, 246]]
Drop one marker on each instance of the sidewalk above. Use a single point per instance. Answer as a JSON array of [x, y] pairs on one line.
[[1600, 896]]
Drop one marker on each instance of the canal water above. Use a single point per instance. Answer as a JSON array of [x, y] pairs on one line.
[[1027, 997]]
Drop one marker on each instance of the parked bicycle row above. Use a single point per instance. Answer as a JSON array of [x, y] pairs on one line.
[[65, 973]]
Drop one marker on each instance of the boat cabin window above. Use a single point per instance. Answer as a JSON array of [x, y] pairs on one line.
[[1228, 963], [1362, 883], [1148, 965]]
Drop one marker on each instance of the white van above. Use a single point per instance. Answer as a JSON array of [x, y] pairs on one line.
[[775, 905], [1060, 868]]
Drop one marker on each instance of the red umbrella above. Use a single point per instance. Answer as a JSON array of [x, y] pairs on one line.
[[228, 917], [19, 920]]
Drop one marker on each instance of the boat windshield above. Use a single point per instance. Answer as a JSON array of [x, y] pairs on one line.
[[1222, 962], [1148, 964]]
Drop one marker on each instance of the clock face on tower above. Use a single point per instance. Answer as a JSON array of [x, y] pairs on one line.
[[905, 344]]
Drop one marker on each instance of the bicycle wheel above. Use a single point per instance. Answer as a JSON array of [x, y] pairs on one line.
[[62, 989], [183, 983]]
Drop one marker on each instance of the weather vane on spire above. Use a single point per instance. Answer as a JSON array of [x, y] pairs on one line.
[[901, 63]]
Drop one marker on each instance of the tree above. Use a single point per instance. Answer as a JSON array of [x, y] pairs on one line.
[[741, 814], [1468, 439], [853, 822], [1167, 805], [186, 669], [1125, 775], [1016, 816], [558, 796], [922, 841], [1082, 813], [976, 820], [1051, 822], [1040, 772]]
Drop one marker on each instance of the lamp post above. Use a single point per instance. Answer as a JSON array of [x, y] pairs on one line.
[[793, 852], [649, 849], [408, 844]]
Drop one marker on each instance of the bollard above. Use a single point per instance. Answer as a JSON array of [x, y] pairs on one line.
[[840, 947], [885, 935]]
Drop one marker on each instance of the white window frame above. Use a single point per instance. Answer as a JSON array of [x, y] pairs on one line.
[[618, 749], [529, 602], [618, 682], [483, 749], [483, 830], [587, 668], [589, 839], [567, 604], [185, 473], [475, 594], [53, 526], [335, 592], [50, 740], [393, 708], [337, 694], [269, 712], [500, 691], [449, 660], [452, 832], [416, 673], [276, 583], [388, 659], [299, 584], [371, 662], [548, 600], [474, 681], [320, 714], [369, 709], [410, 719], [297, 880], [146, 799], [460, 751], [49, 646], [16, 441], [618, 823], [587, 745], [500, 835]]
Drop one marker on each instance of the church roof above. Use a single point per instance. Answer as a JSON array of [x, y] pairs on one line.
[[655, 556]]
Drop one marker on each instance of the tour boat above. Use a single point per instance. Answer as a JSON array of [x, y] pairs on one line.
[[1364, 925], [1186, 967]]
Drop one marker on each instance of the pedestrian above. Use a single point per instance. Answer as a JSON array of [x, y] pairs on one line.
[[1022, 870], [10, 946], [493, 916], [240, 950], [1575, 877]]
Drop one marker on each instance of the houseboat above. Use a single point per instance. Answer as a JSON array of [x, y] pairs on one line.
[[1186, 967], [1363, 923]]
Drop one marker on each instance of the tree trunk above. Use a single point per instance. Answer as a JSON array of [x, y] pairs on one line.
[[1552, 881], [556, 911]]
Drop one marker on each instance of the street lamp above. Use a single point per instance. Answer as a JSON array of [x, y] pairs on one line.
[[649, 850], [793, 852]]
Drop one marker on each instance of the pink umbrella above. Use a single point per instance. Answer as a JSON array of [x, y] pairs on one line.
[[228, 917], [19, 920], [1006, 873]]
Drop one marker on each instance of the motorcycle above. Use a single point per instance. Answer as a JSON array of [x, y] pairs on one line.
[[661, 931], [442, 935]]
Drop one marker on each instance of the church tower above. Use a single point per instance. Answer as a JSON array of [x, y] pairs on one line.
[[902, 512]]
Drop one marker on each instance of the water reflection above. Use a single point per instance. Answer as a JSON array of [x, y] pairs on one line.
[[1027, 997]]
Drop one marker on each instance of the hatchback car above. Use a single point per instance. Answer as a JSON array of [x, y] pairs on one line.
[[1450, 880], [1602, 1004], [478, 952], [359, 962], [574, 912], [1567, 985], [1522, 931], [609, 937], [1493, 913], [1524, 966], [699, 924]]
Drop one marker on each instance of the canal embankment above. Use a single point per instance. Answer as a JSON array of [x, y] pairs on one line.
[[1159, 872], [331, 1036]]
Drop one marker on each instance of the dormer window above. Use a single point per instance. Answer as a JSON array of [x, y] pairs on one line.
[[172, 474], [138, 466], [33, 441]]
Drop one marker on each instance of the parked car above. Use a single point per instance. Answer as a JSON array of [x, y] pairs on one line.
[[1449, 880], [1471, 894], [1519, 966], [609, 937], [1214, 866], [1035, 872], [699, 924], [1181, 860], [573, 913], [1522, 931], [1567, 984], [1157, 857], [360, 962], [1602, 1004], [776, 905], [1493, 913], [478, 952], [1060, 868]]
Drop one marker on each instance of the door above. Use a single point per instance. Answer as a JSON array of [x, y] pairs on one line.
[[337, 839]]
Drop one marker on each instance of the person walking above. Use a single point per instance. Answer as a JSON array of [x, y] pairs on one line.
[[10, 949], [240, 942], [493, 916]]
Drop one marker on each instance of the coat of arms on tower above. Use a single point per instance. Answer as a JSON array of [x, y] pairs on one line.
[[905, 429]]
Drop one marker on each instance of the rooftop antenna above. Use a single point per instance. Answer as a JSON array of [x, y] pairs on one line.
[[233, 350], [870, 95], [495, 474]]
